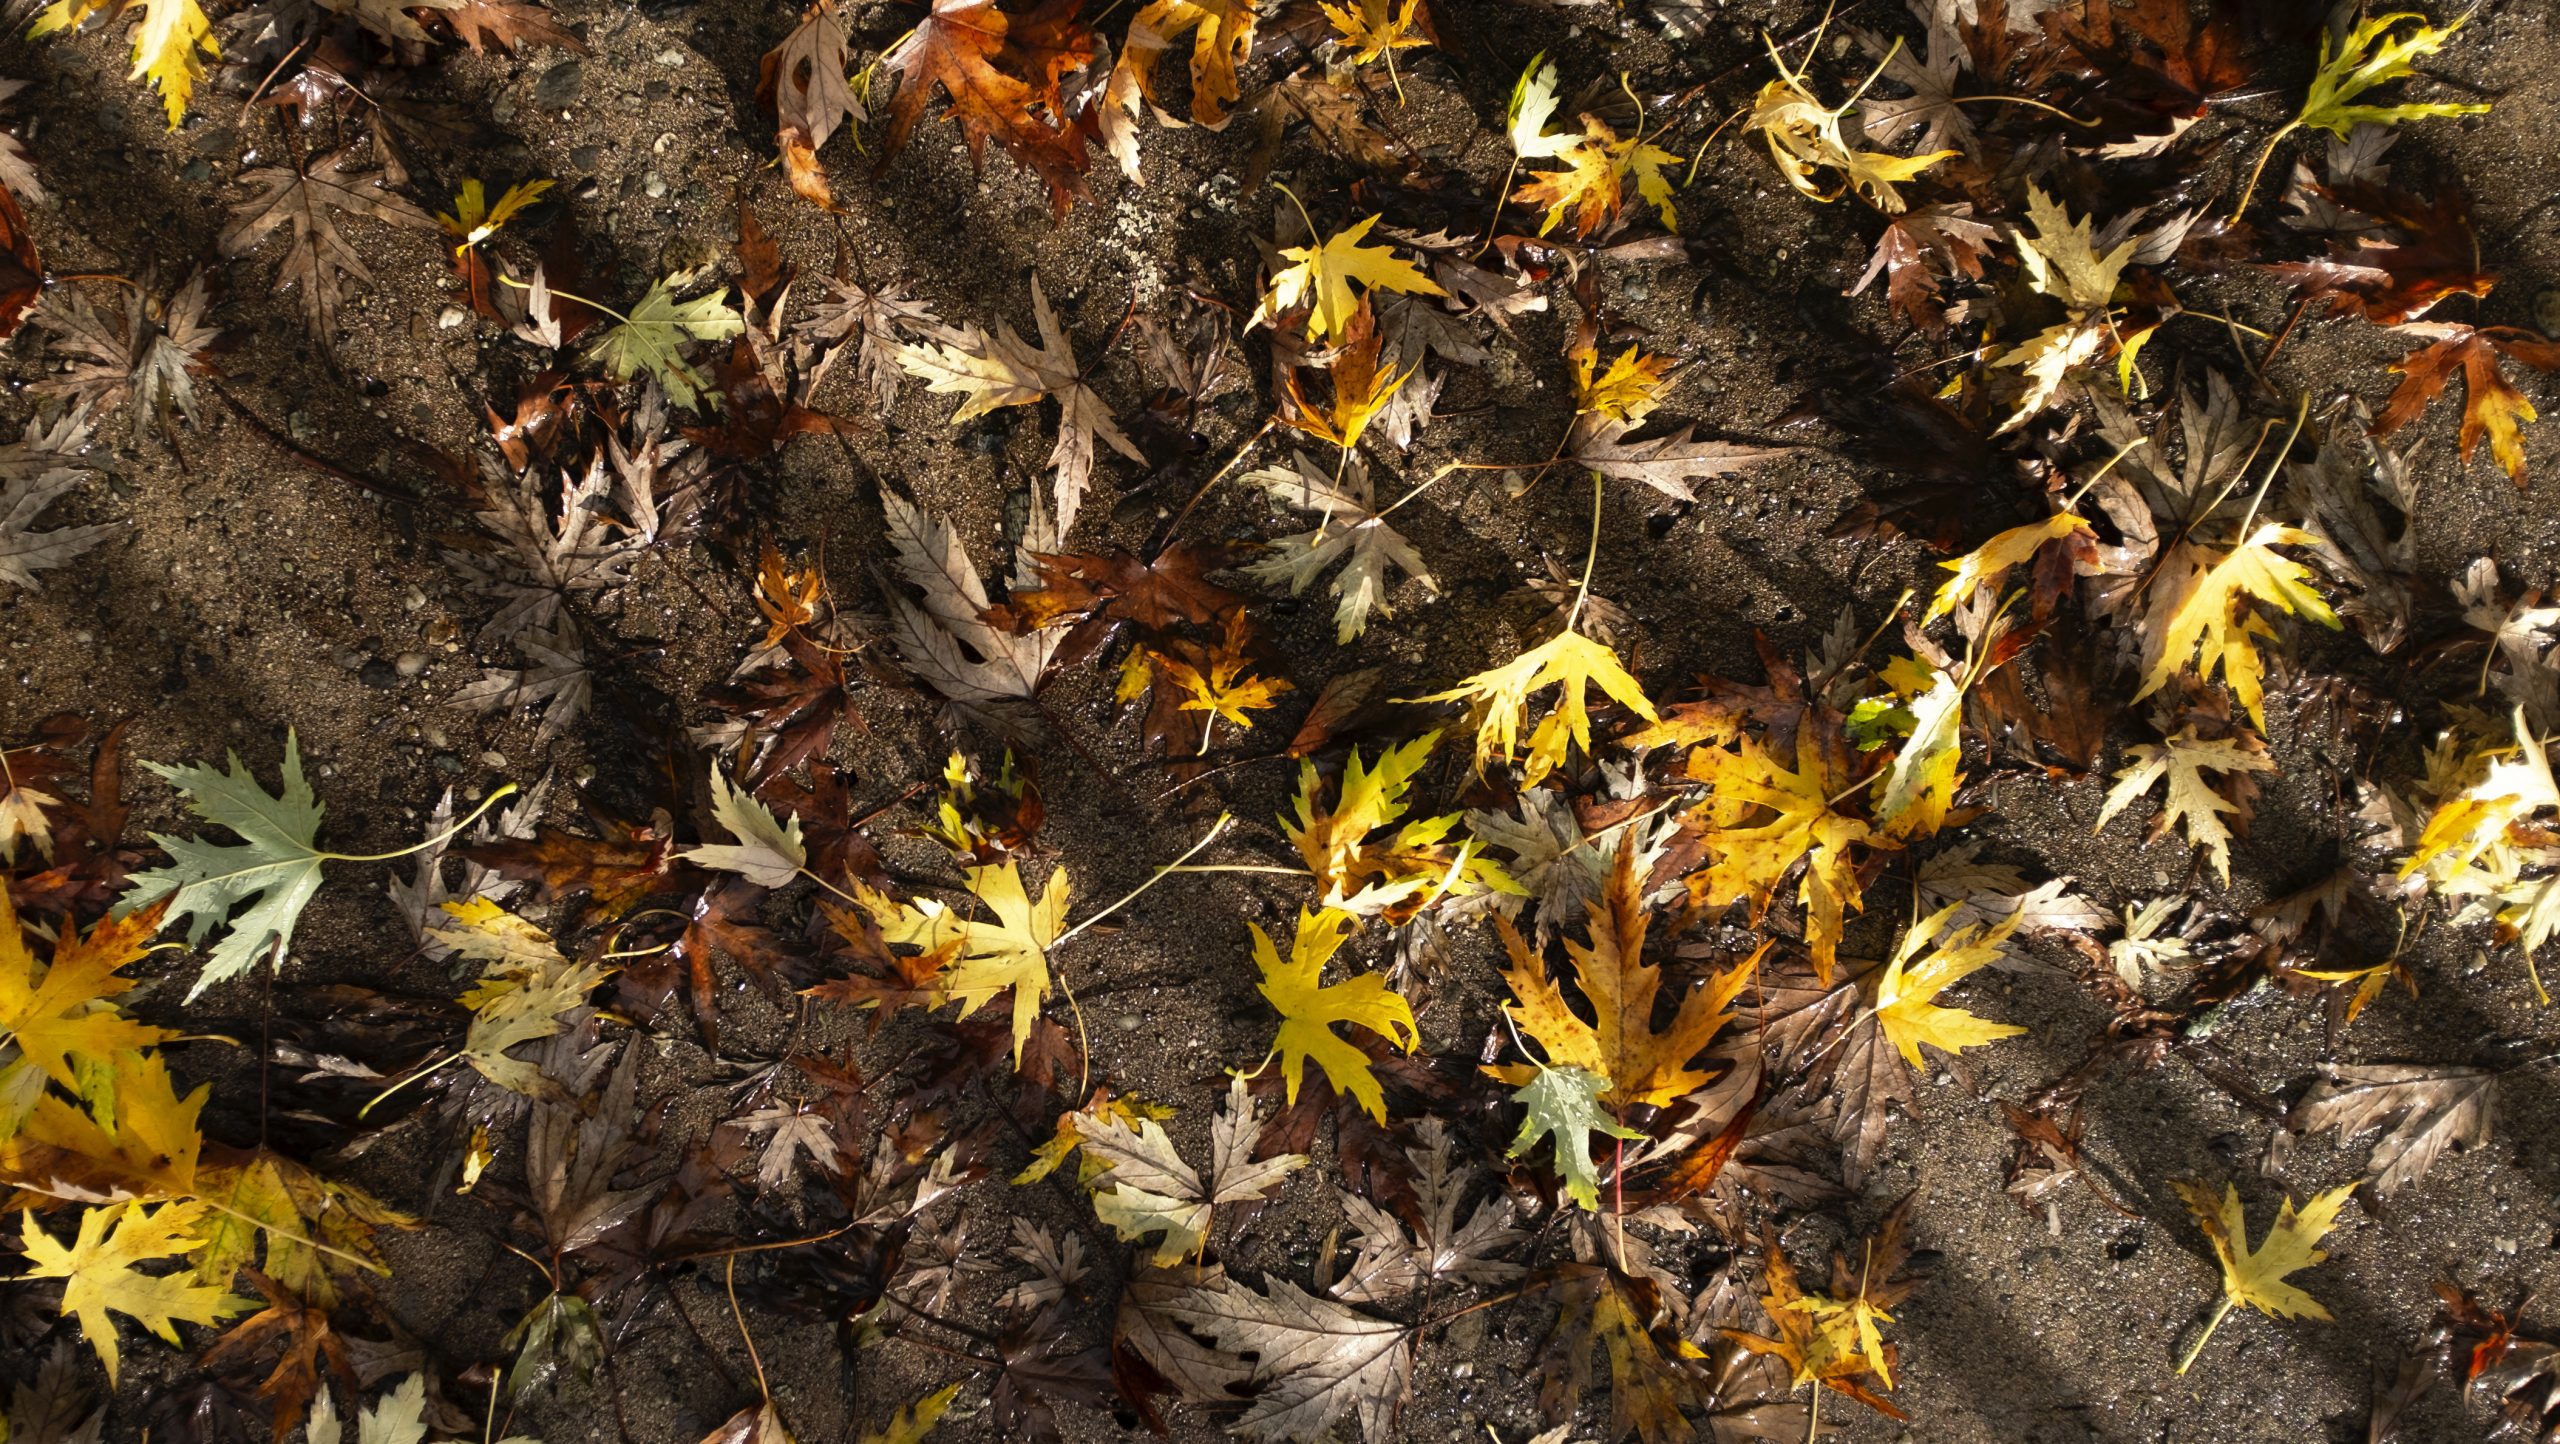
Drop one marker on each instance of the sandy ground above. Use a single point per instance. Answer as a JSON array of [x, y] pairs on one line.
[[252, 593]]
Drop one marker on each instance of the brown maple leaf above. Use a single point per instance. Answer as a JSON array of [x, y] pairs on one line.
[[149, 357], [318, 259], [2491, 407], [1919, 246], [996, 69], [303, 1341], [614, 870], [806, 87], [503, 25], [1153, 594], [2429, 252]]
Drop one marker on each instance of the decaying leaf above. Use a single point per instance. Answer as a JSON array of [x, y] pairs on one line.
[[1314, 1360], [318, 258], [1146, 1189], [1005, 370], [2419, 1111], [1349, 529]]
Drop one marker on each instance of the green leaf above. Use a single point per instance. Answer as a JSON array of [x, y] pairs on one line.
[[275, 866], [1566, 1103], [650, 337], [2369, 57]]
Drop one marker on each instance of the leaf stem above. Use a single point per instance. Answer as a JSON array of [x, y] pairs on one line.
[[2301, 414], [753, 1358], [1591, 557], [2210, 1326], [505, 790], [592, 305], [1160, 874], [2072, 503], [2251, 189]]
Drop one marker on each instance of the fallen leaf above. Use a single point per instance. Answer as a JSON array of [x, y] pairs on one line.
[[1309, 1008], [2420, 1111]]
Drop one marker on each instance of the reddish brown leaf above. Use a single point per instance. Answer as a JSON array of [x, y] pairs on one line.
[[2490, 406], [996, 69], [1174, 587], [614, 870], [504, 25], [2389, 281], [21, 269]]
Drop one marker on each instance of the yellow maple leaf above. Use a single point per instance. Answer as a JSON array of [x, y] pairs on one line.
[[265, 1194], [989, 957], [1628, 391], [142, 1143], [1913, 793], [1371, 28], [1640, 1063], [1222, 38], [165, 44], [2514, 783], [911, 1423], [99, 1274], [1805, 139], [2062, 261], [1751, 856], [1592, 186], [2200, 612], [1395, 875], [525, 986], [1498, 699], [1986, 564], [1361, 387], [65, 1013], [2255, 1278], [473, 220], [1322, 275], [1906, 994], [2192, 803], [1309, 1009]]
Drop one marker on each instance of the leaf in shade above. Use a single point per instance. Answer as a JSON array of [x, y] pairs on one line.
[[1947, 236], [148, 358], [945, 638], [318, 259], [1348, 530], [1038, 1370], [37, 470], [503, 25], [1314, 1360], [2419, 1112], [1653, 1375], [1396, 1259], [1668, 464]]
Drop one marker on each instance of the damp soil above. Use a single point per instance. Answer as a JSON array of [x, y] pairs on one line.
[[251, 593]]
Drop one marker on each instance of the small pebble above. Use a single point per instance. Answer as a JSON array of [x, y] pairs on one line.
[[410, 664], [452, 318]]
